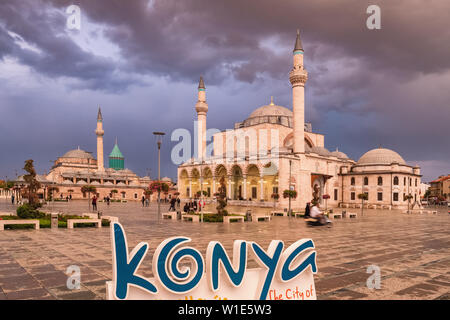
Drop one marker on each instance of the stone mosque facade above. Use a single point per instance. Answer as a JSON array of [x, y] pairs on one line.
[[274, 150], [77, 168]]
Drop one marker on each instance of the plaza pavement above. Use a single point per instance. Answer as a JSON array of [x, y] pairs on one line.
[[412, 251]]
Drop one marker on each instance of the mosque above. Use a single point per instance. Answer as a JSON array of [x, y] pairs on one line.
[[274, 150], [77, 168]]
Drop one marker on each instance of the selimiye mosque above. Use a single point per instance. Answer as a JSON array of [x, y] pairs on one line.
[[274, 150]]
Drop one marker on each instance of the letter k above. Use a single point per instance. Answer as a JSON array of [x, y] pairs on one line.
[[125, 267]]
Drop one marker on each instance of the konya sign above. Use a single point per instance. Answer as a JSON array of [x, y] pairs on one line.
[[283, 274]]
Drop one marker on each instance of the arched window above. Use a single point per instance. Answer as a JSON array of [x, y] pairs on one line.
[[396, 181], [352, 181], [366, 181], [380, 181]]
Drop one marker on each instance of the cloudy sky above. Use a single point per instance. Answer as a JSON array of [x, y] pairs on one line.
[[140, 60]]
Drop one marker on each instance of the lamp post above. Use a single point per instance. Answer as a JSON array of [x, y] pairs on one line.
[[290, 182], [159, 136]]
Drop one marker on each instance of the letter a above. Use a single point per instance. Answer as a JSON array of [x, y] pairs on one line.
[[374, 20]]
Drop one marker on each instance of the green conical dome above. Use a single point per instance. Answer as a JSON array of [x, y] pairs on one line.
[[116, 159], [115, 153]]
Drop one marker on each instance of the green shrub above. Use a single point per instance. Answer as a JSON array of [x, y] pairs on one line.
[[27, 211]]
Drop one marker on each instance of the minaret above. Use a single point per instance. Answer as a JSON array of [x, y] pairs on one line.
[[99, 132], [202, 108], [298, 77]]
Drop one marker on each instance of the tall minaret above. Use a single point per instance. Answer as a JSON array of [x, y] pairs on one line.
[[202, 108], [99, 132], [298, 77]]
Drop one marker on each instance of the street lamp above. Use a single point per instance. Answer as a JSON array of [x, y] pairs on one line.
[[159, 136]]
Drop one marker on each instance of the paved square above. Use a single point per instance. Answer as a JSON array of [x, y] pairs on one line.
[[412, 252]]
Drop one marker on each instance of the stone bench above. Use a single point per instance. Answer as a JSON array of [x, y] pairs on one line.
[[111, 219], [23, 221], [170, 215], [7, 213], [278, 213], [190, 217], [299, 214], [351, 214], [71, 222], [335, 215], [90, 215], [258, 217], [227, 219]]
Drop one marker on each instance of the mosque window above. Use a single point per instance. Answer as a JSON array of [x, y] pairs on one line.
[[396, 183], [404, 181], [380, 181], [366, 181], [416, 182], [352, 181], [352, 196], [380, 196], [395, 196], [335, 194]]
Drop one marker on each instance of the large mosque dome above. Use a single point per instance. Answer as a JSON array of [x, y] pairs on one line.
[[381, 156], [78, 153], [271, 110]]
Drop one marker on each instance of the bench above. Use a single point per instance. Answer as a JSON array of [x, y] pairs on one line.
[[23, 221], [7, 213], [334, 215], [71, 222], [227, 219], [278, 213], [351, 214], [258, 217], [110, 218], [90, 215], [190, 217], [299, 214], [170, 215]]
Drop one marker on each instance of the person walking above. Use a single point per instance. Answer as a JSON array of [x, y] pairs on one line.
[[143, 201], [94, 203], [178, 202], [108, 200], [12, 198], [172, 204], [195, 207]]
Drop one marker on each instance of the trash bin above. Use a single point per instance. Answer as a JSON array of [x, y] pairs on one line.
[[248, 215], [54, 221]]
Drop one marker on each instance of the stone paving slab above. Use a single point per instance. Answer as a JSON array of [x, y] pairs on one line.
[[413, 252]]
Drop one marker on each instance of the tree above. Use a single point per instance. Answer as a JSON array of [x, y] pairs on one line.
[[363, 196], [409, 197], [32, 184], [89, 189], [221, 198]]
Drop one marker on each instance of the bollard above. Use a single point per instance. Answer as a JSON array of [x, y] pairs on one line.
[[54, 220]]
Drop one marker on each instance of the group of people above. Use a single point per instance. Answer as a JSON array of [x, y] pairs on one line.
[[145, 201], [194, 205]]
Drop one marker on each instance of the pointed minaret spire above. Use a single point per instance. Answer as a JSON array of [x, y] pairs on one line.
[[271, 101], [201, 84], [298, 43], [99, 115]]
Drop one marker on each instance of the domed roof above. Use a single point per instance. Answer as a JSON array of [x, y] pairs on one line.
[[78, 153], [321, 151], [380, 156], [271, 110], [339, 154]]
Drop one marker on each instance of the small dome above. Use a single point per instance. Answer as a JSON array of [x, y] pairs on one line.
[[338, 154], [271, 110], [78, 153], [321, 151], [380, 156]]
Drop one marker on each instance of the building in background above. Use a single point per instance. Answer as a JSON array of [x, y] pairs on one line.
[[440, 188]]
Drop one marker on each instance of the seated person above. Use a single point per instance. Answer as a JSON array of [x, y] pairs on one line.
[[317, 214]]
